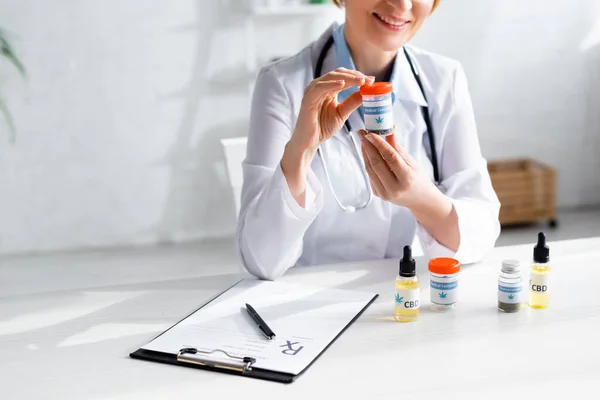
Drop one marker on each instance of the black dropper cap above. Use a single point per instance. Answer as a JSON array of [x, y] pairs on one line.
[[541, 252], [407, 264]]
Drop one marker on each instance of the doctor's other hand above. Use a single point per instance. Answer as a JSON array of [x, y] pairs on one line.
[[395, 176]]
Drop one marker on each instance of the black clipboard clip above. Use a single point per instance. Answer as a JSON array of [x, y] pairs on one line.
[[192, 355]]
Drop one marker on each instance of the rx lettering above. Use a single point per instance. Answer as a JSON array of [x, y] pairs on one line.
[[290, 350]]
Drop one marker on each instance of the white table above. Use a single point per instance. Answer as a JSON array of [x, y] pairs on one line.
[[72, 340]]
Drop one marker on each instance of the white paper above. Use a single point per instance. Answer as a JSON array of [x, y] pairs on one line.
[[305, 320]]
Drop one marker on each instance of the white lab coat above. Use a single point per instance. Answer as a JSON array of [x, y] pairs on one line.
[[275, 233]]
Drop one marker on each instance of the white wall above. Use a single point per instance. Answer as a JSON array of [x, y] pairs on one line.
[[120, 119], [534, 72]]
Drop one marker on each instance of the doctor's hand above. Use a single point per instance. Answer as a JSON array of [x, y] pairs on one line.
[[395, 176], [321, 115]]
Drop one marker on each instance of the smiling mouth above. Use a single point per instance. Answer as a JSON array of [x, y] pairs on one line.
[[392, 23]]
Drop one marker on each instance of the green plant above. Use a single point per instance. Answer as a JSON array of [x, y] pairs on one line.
[[7, 52]]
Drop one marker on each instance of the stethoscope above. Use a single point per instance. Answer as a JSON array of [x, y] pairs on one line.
[[348, 128]]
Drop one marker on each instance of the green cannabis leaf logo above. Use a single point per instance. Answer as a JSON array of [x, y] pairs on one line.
[[379, 120], [442, 295], [511, 296], [398, 298]]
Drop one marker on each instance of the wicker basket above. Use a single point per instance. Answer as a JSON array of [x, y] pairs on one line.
[[526, 190]]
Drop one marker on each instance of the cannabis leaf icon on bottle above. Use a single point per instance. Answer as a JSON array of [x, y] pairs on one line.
[[442, 295], [398, 298], [379, 120]]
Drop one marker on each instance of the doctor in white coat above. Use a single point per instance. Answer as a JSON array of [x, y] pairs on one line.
[[386, 192]]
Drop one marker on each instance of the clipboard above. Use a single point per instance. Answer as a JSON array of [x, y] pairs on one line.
[[220, 360]]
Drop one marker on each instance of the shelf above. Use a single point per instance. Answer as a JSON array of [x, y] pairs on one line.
[[308, 10]]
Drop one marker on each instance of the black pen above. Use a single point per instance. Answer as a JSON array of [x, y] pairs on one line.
[[262, 325]]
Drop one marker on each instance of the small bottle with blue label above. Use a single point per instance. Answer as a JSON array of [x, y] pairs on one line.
[[406, 301], [509, 287], [377, 108]]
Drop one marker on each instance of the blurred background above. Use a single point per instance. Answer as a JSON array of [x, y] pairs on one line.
[[127, 124]]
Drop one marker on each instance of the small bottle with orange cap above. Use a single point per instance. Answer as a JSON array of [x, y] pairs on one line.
[[443, 283], [377, 108]]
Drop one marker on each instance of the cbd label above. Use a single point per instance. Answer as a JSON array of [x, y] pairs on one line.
[[407, 299], [539, 283]]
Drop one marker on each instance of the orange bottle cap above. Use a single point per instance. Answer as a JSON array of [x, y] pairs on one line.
[[376, 89], [444, 266]]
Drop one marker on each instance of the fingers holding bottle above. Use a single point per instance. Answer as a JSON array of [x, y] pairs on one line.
[[321, 115]]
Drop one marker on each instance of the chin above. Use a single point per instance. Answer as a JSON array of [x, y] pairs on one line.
[[388, 42]]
